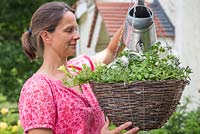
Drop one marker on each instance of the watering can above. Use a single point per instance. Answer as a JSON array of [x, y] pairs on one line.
[[139, 32]]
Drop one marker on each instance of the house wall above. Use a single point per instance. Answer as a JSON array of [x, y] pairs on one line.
[[188, 43], [120, 0], [103, 39], [185, 17], [85, 23], [96, 34]]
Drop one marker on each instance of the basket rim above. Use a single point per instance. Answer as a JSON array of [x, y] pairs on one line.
[[141, 82]]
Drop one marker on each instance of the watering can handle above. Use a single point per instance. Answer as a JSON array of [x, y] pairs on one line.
[[140, 2]]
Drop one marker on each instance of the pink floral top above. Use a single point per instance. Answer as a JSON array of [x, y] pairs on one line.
[[45, 103]]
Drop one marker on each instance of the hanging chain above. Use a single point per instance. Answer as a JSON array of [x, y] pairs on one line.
[[119, 44], [130, 5], [163, 37], [129, 45]]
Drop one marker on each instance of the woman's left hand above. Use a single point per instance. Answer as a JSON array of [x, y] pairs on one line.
[[105, 129]]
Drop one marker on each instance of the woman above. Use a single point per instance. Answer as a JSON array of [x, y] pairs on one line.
[[46, 106]]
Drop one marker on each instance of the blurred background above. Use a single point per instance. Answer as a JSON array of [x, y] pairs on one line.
[[177, 23]]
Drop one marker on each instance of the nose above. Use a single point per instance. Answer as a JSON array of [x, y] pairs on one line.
[[76, 36]]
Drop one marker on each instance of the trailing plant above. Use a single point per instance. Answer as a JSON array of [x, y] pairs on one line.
[[155, 64]]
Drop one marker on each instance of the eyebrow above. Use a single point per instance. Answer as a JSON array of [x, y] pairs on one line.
[[68, 27], [71, 26]]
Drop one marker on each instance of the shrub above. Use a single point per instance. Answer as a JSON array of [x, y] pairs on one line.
[[15, 68], [9, 121]]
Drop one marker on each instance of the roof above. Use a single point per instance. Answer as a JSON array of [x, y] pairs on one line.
[[114, 14]]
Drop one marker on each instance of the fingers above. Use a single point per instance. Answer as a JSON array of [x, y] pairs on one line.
[[120, 128], [132, 131], [107, 122], [105, 128]]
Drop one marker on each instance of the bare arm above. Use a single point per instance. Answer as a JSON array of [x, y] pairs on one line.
[[40, 131], [108, 54]]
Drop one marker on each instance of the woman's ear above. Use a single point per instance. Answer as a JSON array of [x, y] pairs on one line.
[[46, 37]]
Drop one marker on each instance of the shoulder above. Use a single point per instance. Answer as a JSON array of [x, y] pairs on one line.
[[37, 81], [35, 87], [36, 104]]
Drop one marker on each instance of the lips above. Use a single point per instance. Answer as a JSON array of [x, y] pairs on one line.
[[72, 46]]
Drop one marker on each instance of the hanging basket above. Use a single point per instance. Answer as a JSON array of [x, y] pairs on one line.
[[147, 104]]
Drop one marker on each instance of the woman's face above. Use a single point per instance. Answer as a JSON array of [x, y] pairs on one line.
[[65, 36]]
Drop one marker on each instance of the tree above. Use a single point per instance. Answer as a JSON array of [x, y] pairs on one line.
[[15, 67]]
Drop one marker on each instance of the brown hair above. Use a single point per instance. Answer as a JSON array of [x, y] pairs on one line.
[[46, 17]]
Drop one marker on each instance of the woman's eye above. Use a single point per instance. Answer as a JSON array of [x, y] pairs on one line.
[[72, 29], [69, 30]]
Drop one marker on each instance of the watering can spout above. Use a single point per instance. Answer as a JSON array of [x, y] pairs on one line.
[[139, 33]]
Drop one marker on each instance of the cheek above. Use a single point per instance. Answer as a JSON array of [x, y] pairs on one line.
[[67, 42], [68, 39]]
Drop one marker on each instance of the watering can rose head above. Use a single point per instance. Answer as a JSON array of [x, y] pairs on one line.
[[139, 32]]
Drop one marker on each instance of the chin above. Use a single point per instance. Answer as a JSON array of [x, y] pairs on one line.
[[71, 54]]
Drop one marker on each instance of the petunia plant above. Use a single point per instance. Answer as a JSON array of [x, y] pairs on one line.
[[154, 65]]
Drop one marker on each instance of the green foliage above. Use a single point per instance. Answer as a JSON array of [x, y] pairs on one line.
[[181, 122], [130, 67], [9, 121], [15, 68], [15, 16], [112, 126]]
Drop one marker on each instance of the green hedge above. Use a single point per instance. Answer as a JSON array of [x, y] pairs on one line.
[[15, 67]]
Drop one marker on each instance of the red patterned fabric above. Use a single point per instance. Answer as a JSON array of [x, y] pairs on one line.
[[45, 103]]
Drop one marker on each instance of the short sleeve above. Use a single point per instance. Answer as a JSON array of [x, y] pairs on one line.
[[78, 62], [36, 105]]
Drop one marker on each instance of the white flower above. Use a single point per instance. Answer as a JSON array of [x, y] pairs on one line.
[[3, 125], [19, 123], [15, 128], [4, 111], [124, 60]]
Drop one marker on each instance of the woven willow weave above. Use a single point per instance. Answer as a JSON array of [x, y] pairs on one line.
[[147, 104]]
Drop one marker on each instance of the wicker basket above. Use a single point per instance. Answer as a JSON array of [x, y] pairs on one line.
[[148, 104]]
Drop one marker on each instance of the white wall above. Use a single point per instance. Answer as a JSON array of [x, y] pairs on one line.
[[121, 1], [185, 16], [188, 42], [112, 0], [85, 23]]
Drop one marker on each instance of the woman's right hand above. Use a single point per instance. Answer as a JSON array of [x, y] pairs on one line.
[[105, 129]]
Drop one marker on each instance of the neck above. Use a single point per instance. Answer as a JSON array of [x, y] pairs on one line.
[[50, 65]]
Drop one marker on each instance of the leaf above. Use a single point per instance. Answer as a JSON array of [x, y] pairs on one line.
[[147, 66]]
